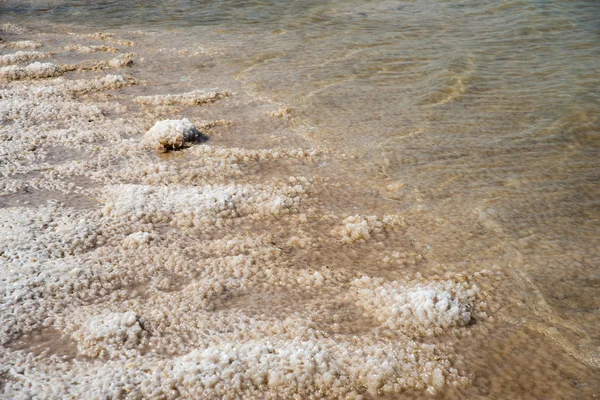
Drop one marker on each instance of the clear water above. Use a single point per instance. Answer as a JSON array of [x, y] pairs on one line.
[[482, 113]]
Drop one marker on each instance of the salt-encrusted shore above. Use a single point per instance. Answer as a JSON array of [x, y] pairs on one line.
[[141, 259]]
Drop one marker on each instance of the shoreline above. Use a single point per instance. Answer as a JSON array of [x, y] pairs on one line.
[[246, 262]]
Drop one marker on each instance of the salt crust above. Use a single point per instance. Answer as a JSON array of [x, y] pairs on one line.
[[21, 44], [424, 308], [360, 228], [195, 98], [255, 358], [36, 70], [238, 155], [124, 60], [90, 49], [138, 240], [109, 37], [43, 233], [79, 86], [31, 108], [171, 134], [209, 164], [11, 28], [276, 368], [108, 334], [190, 206], [38, 105], [86, 274], [21, 57]]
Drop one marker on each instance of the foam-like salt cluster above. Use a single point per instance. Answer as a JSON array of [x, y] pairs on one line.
[[171, 134], [426, 308], [11, 28], [124, 60], [238, 155], [403, 258], [35, 70], [282, 367], [105, 36], [107, 334], [97, 84], [195, 98], [21, 44], [40, 104], [190, 206], [208, 164], [21, 57], [43, 233], [138, 240], [360, 228], [90, 49]]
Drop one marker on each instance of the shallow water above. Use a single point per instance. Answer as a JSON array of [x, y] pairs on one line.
[[476, 123]]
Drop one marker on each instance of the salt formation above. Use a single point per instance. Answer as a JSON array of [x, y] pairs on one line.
[[237, 154], [195, 98], [138, 239], [190, 206], [425, 308], [171, 134], [36, 70], [107, 334], [43, 233], [21, 44], [109, 37], [118, 62], [42, 104], [97, 84], [193, 278], [208, 164], [124, 60], [11, 28], [403, 258], [360, 228], [21, 57], [90, 49]]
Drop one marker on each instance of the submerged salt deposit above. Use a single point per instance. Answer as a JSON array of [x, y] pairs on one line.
[[22, 56], [34, 70], [132, 282], [163, 239], [197, 97]]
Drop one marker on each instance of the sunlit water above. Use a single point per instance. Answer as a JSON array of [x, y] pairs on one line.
[[478, 121]]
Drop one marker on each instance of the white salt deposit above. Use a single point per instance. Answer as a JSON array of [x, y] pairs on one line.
[[35, 70], [195, 98], [138, 239], [97, 84], [237, 154], [360, 228], [190, 277], [424, 308], [43, 233], [119, 62], [124, 60], [90, 49], [106, 335], [190, 206], [171, 134], [11, 28], [21, 57], [21, 44]]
